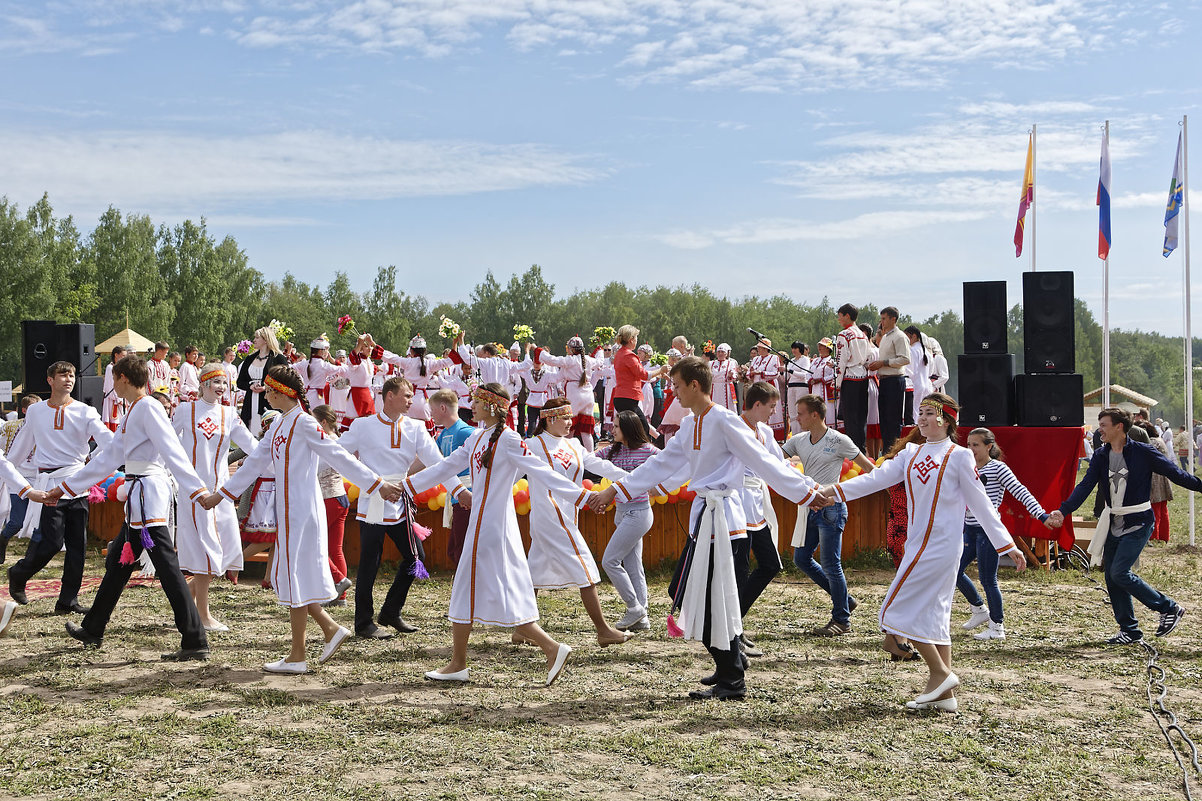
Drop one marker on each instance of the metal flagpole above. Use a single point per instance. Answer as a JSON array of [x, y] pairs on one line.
[[1189, 337], [1034, 211], [1106, 310]]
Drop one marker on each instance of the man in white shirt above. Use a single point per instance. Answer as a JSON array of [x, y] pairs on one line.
[[189, 376], [851, 375], [893, 355]]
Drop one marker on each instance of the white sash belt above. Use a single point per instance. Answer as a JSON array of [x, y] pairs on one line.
[[375, 503], [712, 546], [43, 482], [1097, 543], [466, 481]]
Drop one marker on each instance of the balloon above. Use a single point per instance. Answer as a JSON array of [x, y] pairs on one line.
[[522, 498], [661, 499], [111, 493], [524, 509], [605, 482], [524, 484], [675, 491], [442, 499], [588, 484], [432, 504], [673, 497], [352, 493], [880, 461]]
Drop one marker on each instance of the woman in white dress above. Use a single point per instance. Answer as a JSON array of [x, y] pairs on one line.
[[208, 543], [420, 368], [577, 375], [492, 584], [941, 480], [296, 445], [559, 557]]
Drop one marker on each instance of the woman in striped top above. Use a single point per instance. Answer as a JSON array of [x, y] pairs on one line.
[[998, 479], [623, 557]]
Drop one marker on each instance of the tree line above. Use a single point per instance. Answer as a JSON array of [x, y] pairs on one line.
[[181, 284]]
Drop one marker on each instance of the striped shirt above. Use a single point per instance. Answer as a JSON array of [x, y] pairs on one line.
[[628, 460], [999, 479]]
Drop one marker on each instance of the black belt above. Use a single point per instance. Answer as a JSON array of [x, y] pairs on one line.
[[803, 384], [49, 469]]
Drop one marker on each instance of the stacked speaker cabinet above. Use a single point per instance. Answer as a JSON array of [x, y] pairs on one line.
[[986, 370], [39, 350], [45, 342], [1050, 394]]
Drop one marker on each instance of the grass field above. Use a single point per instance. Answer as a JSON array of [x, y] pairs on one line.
[[1050, 712]]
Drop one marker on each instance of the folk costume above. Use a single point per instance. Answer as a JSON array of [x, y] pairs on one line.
[[577, 375], [421, 372], [851, 382], [797, 383], [112, 407], [822, 382], [319, 373], [725, 374], [361, 370], [767, 369]]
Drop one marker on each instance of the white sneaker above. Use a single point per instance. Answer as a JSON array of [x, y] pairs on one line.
[[994, 631], [633, 615], [284, 666], [980, 616], [334, 643]]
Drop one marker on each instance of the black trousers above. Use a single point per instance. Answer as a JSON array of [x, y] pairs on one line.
[[853, 408], [761, 542], [631, 405], [371, 550], [532, 417], [166, 565], [891, 404], [728, 663], [64, 524], [908, 408]]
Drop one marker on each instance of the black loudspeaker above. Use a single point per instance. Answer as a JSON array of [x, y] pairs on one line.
[[986, 389], [77, 344], [1049, 336], [39, 350], [90, 390], [1050, 400], [984, 316]]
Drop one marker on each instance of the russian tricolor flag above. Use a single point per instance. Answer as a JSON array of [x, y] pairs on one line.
[[1104, 200]]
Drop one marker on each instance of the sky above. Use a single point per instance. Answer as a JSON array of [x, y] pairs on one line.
[[862, 151]]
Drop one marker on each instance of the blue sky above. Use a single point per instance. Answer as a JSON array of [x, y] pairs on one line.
[[865, 151]]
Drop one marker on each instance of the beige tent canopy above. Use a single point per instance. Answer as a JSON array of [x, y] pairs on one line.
[[127, 338]]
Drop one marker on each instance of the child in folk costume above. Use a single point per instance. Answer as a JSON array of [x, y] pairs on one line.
[[941, 480], [673, 412], [419, 368], [623, 557], [147, 446], [822, 378], [559, 557], [492, 583], [388, 443], [300, 572], [725, 372], [208, 542], [577, 374], [718, 448]]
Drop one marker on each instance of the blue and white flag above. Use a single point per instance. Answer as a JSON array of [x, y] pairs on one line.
[[1172, 210]]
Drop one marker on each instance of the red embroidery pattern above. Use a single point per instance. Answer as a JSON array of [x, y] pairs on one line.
[[207, 427], [277, 445], [925, 468]]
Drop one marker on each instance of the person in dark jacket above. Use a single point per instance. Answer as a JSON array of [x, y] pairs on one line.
[[1122, 471], [254, 367]]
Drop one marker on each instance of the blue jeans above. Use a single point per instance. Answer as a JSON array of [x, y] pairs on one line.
[[824, 530], [977, 546], [1122, 585], [16, 517]]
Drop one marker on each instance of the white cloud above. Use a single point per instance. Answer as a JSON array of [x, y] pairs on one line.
[[167, 170]]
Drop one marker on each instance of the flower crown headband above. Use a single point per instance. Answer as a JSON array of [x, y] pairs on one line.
[[556, 411], [491, 398]]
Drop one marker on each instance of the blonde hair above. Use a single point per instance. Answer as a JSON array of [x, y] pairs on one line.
[[446, 396], [268, 335], [626, 333]]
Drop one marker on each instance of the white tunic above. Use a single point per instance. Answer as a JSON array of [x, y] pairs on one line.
[[822, 384], [489, 370], [767, 369], [114, 407], [58, 437], [920, 374], [492, 583], [317, 375], [295, 444], [148, 447], [541, 384], [423, 385], [189, 381], [559, 557], [570, 371], [207, 540], [722, 390], [941, 480]]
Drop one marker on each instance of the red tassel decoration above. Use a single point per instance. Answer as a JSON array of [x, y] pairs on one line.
[[673, 629], [127, 554]]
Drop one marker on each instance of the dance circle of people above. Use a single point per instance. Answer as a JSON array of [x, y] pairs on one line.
[[477, 419]]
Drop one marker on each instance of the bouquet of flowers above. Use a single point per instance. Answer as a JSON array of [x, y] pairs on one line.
[[708, 347], [602, 335], [523, 333], [243, 347], [659, 358], [344, 323], [282, 330], [448, 328]]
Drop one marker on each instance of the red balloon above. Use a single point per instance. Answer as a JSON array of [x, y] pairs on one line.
[[674, 498], [111, 494], [522, 497], [588, 484]]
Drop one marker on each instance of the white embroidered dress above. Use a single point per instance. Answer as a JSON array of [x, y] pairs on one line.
[[492, 584], [559, 557], [296, 445], [941, 480], [208, 541]]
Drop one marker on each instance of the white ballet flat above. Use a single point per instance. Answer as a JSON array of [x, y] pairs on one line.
[[946, 705], [6, 617], [334, 643], [284, 666], [950, 683], [459, 675], [561, 658], [217, 627]]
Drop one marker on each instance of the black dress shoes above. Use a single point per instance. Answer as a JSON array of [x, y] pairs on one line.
[[74, 608], [718, 694], [83, 635], [14, 592], [188, 655], [397, 623], [374, 632]]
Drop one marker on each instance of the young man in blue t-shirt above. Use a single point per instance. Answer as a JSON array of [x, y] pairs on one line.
[[444, 411]]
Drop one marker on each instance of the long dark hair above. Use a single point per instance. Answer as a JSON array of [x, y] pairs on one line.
[[420, 353], [583, 366], [633, 433], [916, 436], [552, 403], [496, 389], [287, 375], [914, 330]]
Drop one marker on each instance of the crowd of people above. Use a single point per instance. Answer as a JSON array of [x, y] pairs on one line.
[[222, 460]]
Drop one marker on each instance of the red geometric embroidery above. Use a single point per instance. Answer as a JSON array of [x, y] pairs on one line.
[[925, 468], [207, 427], [278, 444]]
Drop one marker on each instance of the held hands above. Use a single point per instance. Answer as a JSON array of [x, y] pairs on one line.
[[598, 502], [391, 492], [821, 499], [464, 499], [42, 497], [211, 500], [1055, 519]]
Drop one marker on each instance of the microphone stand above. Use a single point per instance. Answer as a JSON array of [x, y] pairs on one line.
[[762, 341]]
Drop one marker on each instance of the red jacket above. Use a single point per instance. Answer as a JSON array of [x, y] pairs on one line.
[[629, 375]]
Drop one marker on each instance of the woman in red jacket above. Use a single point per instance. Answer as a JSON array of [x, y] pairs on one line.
[[630, 375]]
